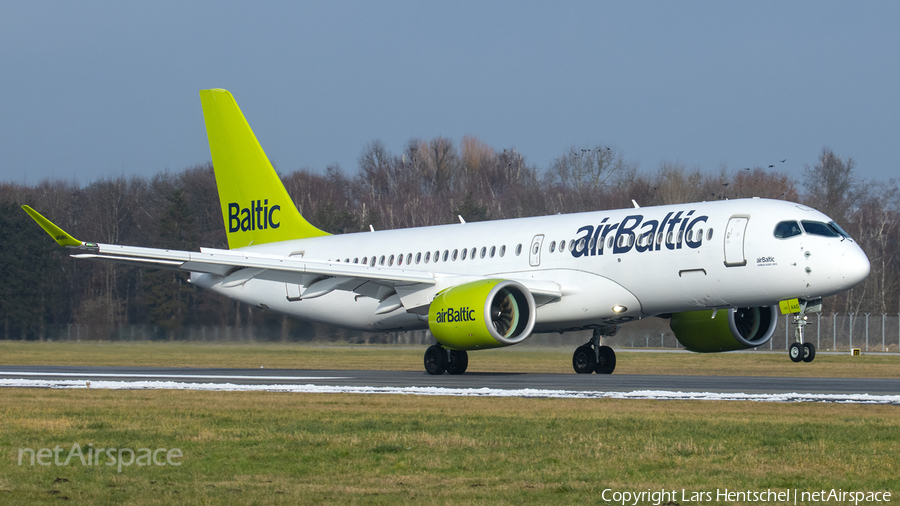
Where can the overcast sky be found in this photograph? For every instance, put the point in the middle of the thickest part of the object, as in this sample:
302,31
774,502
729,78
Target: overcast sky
97,89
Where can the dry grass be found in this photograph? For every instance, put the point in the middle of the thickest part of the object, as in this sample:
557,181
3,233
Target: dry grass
275,448
409,358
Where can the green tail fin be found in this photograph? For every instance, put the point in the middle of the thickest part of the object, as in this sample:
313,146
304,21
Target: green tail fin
255,206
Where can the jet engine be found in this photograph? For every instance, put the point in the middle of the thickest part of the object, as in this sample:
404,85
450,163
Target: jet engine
483,314
730,329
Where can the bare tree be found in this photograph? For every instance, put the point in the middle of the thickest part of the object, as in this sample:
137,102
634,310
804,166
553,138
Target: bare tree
831,185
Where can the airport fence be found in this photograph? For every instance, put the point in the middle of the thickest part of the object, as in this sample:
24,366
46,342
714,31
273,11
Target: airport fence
870,332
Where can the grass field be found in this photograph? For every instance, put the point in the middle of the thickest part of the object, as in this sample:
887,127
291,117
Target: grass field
409,358
279,448
270,448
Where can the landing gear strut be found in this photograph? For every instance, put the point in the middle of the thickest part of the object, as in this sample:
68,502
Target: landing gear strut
439,359
798,350
594,357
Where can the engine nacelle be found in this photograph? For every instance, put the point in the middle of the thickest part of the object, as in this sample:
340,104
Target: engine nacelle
483,314
731,329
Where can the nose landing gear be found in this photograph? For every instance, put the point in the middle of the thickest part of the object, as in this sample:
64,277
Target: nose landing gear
800,351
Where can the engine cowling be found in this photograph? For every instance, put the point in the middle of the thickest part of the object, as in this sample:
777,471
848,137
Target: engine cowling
483,314
731,329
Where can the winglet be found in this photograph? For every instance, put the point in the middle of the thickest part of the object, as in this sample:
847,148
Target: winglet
59,235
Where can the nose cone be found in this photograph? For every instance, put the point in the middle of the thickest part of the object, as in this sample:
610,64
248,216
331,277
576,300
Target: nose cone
854,266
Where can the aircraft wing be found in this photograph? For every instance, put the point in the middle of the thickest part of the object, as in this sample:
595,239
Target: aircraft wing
318,277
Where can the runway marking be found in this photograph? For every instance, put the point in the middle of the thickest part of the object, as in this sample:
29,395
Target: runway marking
182,376
459,392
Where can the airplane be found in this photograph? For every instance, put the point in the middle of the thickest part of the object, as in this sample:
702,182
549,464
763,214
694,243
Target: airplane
719,271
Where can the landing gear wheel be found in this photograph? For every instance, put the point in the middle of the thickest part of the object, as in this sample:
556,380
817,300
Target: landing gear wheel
796,352
809,352
607,362
435,359
459,361
583,360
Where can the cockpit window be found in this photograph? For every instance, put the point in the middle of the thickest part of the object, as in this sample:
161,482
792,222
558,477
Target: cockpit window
819,228
787,229
838,228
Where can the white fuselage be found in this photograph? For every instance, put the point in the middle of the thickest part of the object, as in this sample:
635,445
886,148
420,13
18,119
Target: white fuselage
646,261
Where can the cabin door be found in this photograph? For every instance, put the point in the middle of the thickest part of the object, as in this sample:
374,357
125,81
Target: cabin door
734,241
534,254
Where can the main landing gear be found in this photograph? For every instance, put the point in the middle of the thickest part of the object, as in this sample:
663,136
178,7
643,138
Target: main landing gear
594,357
439,359
798,350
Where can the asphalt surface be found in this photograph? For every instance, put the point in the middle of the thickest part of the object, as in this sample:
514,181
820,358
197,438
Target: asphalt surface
471,380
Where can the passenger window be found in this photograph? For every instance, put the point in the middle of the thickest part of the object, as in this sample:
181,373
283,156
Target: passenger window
502,250
787,229
493,250
418,257
709,235
553,246
446,254
562,246
356,260
580,245
373,262
381,260
472,253
408,258
427,256
400,259
391,261
609,244
518,249
455,254
819,228
365,260
483,251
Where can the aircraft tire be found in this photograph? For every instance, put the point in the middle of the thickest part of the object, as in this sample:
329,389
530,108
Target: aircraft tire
435,360
459,361
583,360
607,362
795,351
809,352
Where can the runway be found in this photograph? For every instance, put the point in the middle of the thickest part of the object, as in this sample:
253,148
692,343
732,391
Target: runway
862,390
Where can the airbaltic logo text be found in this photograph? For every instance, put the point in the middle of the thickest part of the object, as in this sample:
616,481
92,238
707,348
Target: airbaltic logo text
450,315
674,231
259,216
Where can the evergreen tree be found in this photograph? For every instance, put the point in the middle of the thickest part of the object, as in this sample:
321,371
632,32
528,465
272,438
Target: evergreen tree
166,292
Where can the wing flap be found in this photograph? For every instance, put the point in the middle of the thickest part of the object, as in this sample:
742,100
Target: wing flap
214,261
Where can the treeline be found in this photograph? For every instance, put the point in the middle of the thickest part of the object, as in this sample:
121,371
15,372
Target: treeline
429,183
